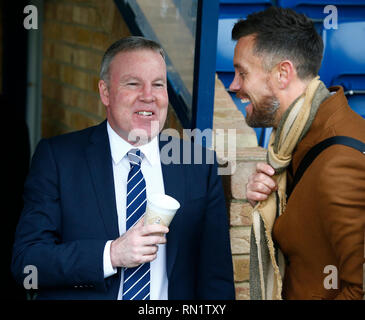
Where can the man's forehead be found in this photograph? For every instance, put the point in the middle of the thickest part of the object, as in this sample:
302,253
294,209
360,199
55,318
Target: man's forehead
125,60
245,44
244,52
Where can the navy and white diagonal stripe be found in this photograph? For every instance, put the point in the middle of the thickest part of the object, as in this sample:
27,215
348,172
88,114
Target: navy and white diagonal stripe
136,284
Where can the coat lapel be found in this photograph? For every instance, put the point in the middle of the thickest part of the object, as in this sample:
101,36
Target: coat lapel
98,157
173,177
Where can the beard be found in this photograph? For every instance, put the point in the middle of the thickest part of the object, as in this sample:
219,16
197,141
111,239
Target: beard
263,113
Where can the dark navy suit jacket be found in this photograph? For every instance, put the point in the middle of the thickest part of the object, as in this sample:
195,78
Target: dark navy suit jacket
70,213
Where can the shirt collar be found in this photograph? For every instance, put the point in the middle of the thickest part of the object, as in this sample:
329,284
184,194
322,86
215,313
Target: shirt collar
119,147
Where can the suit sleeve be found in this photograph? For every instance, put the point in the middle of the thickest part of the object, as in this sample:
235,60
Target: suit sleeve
342,209
38,240
215,276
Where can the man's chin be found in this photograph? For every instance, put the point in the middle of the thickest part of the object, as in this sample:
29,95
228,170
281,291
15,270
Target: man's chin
258,124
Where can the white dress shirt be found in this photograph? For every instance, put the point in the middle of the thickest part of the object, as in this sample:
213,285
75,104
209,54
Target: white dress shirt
152,172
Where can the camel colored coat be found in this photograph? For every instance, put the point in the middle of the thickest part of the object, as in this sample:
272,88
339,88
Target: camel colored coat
324,221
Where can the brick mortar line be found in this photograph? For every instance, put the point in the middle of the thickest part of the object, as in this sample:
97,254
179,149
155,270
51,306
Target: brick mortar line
84,26
67,85
239,201
242,255
57,124
70,43
74,46
69,64
59,104
237,227
89,4
248,158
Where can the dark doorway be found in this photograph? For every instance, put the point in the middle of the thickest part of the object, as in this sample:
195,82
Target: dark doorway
15,139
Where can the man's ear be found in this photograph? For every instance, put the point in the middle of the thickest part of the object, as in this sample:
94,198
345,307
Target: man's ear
285,72
103,92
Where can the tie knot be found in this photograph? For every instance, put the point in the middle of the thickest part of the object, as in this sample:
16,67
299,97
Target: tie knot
135,157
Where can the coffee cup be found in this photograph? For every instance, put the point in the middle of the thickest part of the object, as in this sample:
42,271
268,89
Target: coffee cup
160,209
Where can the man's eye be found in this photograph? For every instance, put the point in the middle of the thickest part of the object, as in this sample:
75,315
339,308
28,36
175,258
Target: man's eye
132,83
159,85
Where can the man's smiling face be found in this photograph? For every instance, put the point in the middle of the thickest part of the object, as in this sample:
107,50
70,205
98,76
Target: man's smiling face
253,84
136,96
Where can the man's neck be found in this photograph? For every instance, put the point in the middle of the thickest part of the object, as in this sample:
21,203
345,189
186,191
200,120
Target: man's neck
289,95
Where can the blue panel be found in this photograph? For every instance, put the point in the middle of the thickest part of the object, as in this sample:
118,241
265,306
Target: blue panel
292,3
344,55
250,2
226,78
344,61
265,137
241,10
225,45
205,61
357,103
314,8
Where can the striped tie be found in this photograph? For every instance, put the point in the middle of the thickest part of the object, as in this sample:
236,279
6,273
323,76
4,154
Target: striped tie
136,285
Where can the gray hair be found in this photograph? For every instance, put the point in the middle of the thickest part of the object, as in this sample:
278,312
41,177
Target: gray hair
123,45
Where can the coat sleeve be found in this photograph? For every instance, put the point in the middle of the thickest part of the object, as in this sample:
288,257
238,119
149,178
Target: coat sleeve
342,209
215,275
38,238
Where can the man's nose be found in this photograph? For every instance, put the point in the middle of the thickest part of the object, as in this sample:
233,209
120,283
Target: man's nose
147,93
234,86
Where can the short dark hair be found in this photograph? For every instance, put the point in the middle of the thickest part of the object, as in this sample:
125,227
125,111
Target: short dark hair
126,44
280,34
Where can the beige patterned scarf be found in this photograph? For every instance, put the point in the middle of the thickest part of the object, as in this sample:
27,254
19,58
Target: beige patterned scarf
292,128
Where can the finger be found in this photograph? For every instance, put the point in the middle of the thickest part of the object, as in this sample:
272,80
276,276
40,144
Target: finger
149,258
265,168
141,260
142,250
264,179
154,228
148,250
256,196
150,240
260,188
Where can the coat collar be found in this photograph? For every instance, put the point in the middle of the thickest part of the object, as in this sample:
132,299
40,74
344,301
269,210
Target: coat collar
330,112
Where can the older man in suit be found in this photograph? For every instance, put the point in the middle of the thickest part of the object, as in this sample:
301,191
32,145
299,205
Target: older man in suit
82,225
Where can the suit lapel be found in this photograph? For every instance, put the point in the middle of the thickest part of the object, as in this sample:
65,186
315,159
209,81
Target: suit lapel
173,177
100,164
